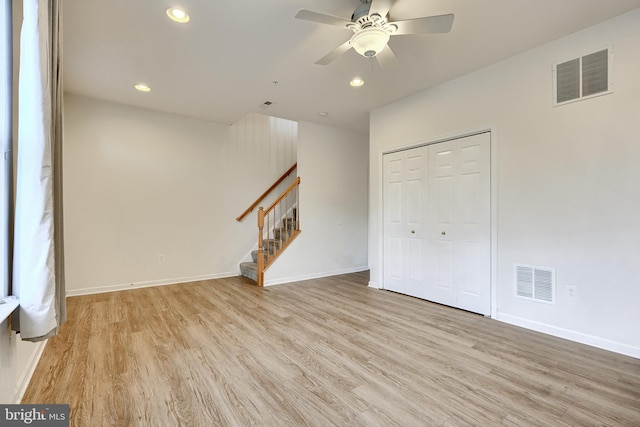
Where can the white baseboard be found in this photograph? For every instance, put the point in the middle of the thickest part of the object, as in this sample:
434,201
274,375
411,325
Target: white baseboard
591,340
283,280
137,285
374,285
27,373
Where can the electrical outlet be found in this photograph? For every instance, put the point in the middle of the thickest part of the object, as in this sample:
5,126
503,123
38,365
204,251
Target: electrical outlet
161,258
571,290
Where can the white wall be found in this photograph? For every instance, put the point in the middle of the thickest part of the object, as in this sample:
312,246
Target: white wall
18,360
333,168
567,181
140,184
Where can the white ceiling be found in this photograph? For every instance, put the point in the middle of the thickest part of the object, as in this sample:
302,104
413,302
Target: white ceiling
222,65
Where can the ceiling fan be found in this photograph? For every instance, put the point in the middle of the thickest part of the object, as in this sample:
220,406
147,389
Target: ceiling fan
372,27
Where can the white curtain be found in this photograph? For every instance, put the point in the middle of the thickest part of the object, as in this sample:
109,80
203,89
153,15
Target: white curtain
38,262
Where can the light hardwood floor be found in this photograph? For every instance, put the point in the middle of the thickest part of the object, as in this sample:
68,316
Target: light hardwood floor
324,352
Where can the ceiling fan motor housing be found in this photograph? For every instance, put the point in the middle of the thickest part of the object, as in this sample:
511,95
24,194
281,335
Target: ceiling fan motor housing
371,31
361,11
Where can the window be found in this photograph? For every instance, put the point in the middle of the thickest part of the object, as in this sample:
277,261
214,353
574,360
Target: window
583,77
6,88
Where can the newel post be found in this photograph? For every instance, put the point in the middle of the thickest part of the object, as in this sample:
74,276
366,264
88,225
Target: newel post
260,268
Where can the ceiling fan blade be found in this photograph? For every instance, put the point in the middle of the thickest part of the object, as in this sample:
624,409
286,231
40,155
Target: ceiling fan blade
430,24
386,58
334,53
381,7
322,18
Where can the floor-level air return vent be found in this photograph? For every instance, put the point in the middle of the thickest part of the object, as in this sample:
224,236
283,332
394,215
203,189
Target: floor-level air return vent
536,283
583,77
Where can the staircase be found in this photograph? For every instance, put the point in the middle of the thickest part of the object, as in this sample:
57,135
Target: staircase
282,235
278,226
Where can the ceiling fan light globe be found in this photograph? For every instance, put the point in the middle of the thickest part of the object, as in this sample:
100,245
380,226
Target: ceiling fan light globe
370,41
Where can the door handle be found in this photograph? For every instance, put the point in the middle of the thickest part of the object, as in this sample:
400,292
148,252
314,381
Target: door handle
413,231
444,233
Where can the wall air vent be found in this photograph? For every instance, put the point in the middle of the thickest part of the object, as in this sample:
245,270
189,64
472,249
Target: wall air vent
535,283
583,77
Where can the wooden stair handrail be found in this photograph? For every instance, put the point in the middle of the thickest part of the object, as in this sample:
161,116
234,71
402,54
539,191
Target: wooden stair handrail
266,193
283,195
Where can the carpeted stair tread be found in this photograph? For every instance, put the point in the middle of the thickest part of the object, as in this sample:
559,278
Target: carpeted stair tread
249,270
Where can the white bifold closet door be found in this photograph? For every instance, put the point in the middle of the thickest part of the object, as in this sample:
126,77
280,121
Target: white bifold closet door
437,222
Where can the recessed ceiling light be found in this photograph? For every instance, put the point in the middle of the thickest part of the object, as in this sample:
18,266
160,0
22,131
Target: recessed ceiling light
323,114
356,82
142,87
178,15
